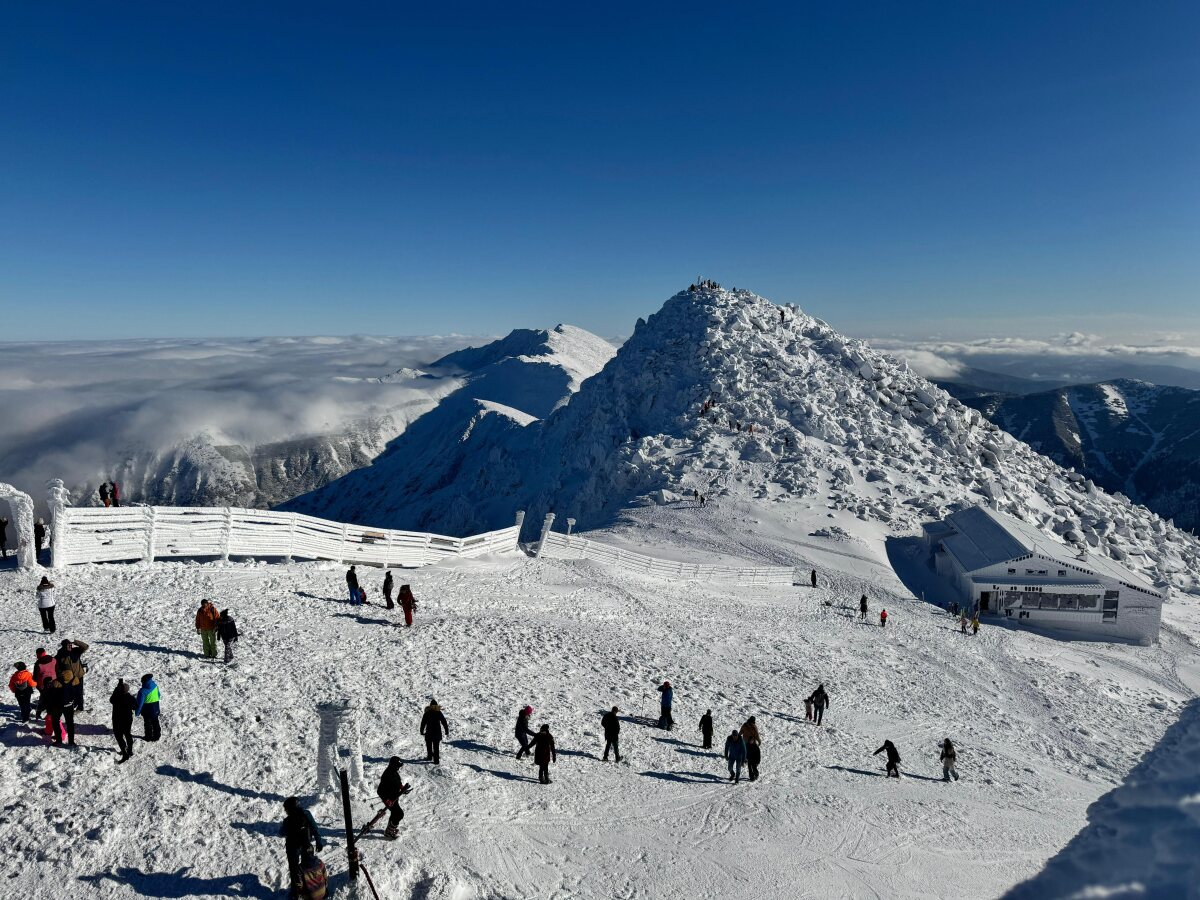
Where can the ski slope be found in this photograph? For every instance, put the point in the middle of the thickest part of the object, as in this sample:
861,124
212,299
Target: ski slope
1044,729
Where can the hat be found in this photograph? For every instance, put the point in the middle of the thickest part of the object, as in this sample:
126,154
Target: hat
528,710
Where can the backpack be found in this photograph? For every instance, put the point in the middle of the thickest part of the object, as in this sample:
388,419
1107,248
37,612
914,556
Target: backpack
313,879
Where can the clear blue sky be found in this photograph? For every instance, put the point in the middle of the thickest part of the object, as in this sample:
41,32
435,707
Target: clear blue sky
248,168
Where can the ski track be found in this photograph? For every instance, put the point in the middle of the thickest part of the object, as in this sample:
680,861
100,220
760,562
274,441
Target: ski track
1043,729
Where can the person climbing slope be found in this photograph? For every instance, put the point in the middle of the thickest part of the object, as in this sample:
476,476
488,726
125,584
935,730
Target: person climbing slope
432,725
706,729
893,758
611,723
123,704
544,753
862,609
668,695
813,578
883,618
819,700
948,758
523,732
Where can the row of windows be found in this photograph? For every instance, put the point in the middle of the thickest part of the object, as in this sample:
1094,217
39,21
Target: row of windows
1062,573
1030,599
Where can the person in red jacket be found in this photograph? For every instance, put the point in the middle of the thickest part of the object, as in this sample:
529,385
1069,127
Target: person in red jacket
408,603
883,618
21,683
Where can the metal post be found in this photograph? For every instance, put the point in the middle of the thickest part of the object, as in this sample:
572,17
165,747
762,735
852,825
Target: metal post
546,524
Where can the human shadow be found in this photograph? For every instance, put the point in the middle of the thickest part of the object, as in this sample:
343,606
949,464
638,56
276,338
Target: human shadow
362,620
339,600
154,648
24,631
790,718
856,771
475,747
645,721
206,779
703,754
499,773
921,777
181,884
685,777
583,753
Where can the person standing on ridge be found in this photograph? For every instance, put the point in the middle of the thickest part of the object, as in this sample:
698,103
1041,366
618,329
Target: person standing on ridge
664,718
115,493
432,725
387,589
544,753
21,684
147,707
408,603
893,758
883,618
299,832
123,704
352,585
948,758
750,735
735,754
46,602
228,633
523,731
813,578
819,700
862,609
706,729
206,625
105,496
611,723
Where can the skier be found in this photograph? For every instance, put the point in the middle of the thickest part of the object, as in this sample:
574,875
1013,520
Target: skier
523,732
115,493
147,707
3,538
21,683
432,724
45,602
391,788
883,618
975,624
862,609
387,590
54,702
206,625
612,733
299,832
105,496
67,661
123,704
948,758
893,758
735,753
544,753
39,536
813,578
664,718
228,633
749,732
819,700
352,585
706,729
408,603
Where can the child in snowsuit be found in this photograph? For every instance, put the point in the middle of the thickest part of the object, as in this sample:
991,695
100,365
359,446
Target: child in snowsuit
228,633
21,684
893,758
147,707
706,728
883,618
975,624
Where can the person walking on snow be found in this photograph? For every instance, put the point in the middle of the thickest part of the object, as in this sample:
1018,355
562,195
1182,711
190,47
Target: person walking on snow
352,585
408,603
735,755
706,729
123,704
893,758
432,725
975,624
147,707
228,633
962,623
862,609
299,832
387,590
46,601
813,578
664,711
883,618
206,625
819,700
749,732
391,788
55,702
611,723
948,758
21,684
544,753
523,731
69,660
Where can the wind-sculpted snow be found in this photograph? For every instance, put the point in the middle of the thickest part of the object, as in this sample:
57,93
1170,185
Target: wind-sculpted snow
824,419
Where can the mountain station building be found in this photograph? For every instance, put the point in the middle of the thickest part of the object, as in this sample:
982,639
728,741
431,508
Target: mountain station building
1003,566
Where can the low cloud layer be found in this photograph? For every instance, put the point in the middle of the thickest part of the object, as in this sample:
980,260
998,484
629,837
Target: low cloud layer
74,410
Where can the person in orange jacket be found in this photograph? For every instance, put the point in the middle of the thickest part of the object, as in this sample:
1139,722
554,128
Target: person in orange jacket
21,683
206,623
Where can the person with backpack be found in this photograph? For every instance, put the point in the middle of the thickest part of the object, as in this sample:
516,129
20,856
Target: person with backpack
706,729
299,832
387,590
228,633
883,618
45,666
408,603
46,601
123,704
314,877
147,707
948,758
893,758
433,723
352,585
206,625
391,788
611,723
665,719
862,609
749,733
523,731
69,661
735,755
544,753
21,684
819,700
105,496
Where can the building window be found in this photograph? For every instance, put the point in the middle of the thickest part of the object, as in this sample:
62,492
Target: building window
1012,571
1111,595
1062,573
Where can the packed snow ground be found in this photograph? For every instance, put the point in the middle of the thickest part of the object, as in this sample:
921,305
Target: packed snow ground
1043,729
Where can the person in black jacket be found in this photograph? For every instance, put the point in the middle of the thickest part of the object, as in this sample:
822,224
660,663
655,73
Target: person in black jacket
612,732
123,705
862,609
3,538
813,578
39,537
391,789
819,700
523,731
893,758
706,729
352,585
544,753
387,590
228,633
433,723
300,834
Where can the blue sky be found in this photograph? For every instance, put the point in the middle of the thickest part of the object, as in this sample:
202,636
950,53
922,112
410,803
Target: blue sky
964,169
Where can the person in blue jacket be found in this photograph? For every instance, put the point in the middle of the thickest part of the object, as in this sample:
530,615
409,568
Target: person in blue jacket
735,753
147,707
664,717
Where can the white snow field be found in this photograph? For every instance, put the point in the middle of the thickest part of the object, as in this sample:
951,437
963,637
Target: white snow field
1044,728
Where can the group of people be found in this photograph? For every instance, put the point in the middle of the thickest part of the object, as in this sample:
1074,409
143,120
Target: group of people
39,537
213,625
110,493
358,594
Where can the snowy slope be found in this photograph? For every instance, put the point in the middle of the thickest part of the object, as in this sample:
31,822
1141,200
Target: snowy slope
838,428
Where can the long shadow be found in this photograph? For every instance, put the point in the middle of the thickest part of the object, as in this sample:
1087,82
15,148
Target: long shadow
703,754
856,771
206,779
921,777
500,773
362,620
24,631
796,719
685,777
476,747
582,753
153,648
180,884
343,601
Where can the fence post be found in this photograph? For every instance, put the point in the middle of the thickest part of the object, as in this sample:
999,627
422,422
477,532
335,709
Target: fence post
387,555
57,499
546,523
291,537
151,516
228,535
425,550
518,524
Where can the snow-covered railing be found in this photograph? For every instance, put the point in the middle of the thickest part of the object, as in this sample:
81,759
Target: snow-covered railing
564,546
97,534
